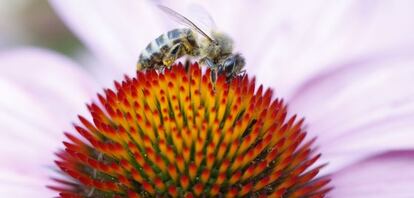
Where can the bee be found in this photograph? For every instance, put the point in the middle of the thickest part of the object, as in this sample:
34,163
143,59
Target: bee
214,50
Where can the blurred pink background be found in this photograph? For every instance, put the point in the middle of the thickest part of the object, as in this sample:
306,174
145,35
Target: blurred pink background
347,66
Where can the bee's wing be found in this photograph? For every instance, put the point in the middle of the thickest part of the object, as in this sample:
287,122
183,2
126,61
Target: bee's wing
202,17
183,20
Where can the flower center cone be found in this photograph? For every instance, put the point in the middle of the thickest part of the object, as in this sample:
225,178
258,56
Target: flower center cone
177,134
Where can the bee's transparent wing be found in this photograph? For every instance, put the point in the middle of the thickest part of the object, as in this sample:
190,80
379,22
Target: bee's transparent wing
183,20
202,17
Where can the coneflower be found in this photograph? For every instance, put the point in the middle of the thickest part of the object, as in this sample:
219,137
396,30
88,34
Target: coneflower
178,134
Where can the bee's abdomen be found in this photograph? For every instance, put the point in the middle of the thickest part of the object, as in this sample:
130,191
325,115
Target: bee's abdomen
158,49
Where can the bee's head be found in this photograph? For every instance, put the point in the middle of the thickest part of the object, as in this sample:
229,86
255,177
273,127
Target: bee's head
232,65
222,45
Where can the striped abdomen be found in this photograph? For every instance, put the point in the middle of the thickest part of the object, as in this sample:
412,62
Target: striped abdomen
165,49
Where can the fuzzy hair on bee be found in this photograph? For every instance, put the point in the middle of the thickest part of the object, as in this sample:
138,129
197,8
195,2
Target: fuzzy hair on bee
214,50
222,45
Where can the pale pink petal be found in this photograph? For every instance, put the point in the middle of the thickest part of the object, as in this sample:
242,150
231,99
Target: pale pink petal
115,31
53,81
314,37
363,108
387,175
42,92
260,28
17,185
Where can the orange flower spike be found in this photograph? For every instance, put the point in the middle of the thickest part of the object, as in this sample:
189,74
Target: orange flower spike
199,145
132,194
186,153
76,142
198,189
233,149
188,140
189,114
148,187
245,189
146,141
222,106
215,190
248,172
278,193
172,171
205,92
237,132
163,102
195,75
224,166
159,184
156,119
232,192
149,99
196,98
185,182
199,156
193,134
137,176
211,148
229,123
172,190
192,170
180,164
149,172
124,181
169,154
199,116
216,136
183,94
150,154
204,132
210,161
179,119
237,163
139,158
178,140
205,175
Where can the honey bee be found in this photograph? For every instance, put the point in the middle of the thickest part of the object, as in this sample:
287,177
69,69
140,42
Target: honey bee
215,51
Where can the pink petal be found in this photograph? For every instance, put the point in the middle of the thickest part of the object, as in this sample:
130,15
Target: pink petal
115,31
17,185
387,175
363,108
316,37
260,28
41,94
53,81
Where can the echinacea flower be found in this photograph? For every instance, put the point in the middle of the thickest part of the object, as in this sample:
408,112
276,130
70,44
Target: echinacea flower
346,66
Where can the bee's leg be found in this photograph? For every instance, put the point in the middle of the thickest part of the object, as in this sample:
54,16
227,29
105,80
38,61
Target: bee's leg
209,63
213,67
161,70
243,72
187,65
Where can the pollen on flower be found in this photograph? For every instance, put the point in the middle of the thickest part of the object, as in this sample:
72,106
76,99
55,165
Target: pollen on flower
177,134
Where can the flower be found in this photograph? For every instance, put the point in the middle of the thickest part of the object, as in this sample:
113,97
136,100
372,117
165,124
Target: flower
178,134
346,66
